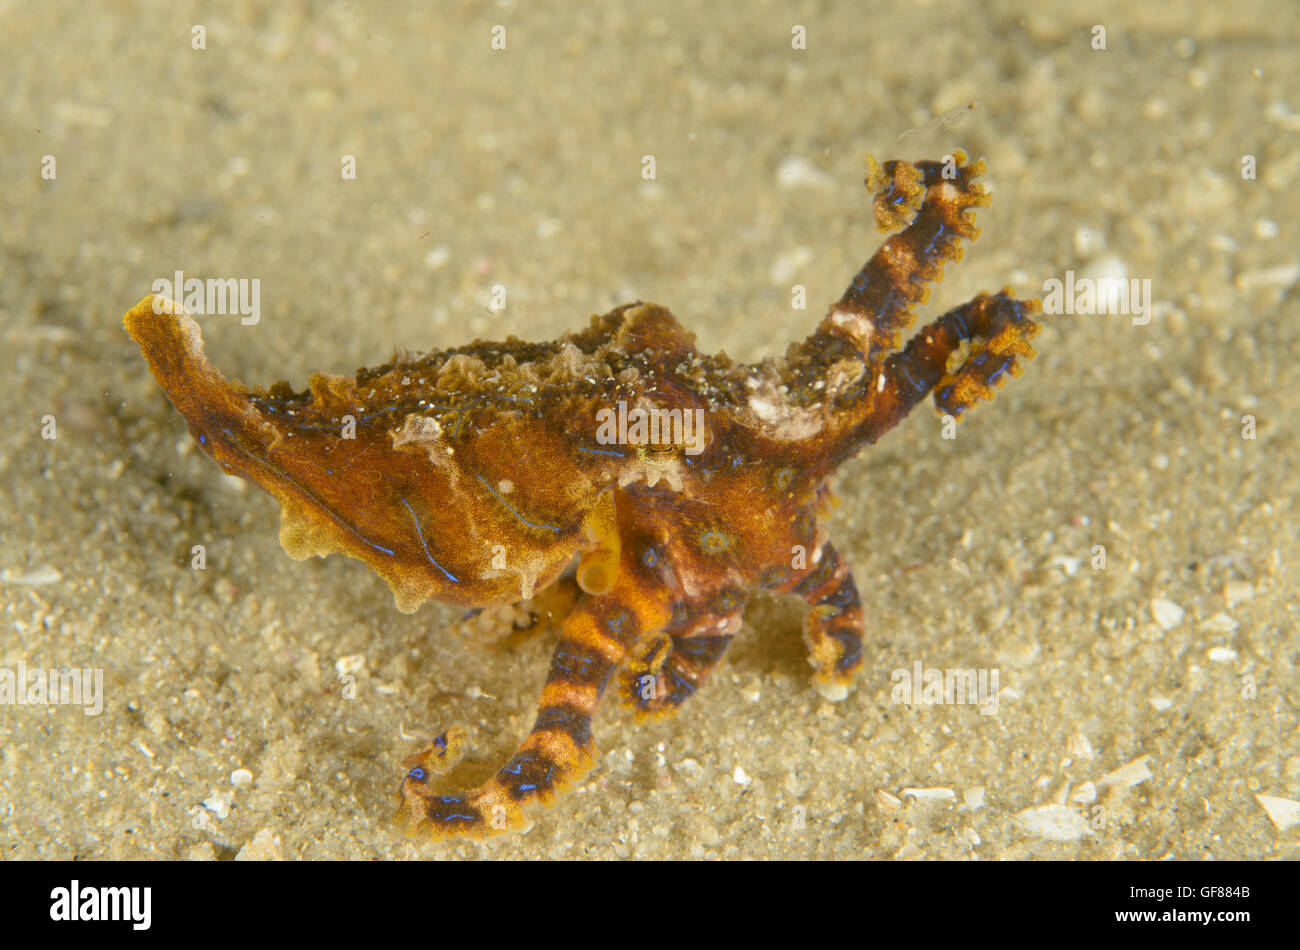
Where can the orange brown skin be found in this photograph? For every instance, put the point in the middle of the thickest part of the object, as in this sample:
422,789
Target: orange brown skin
474,476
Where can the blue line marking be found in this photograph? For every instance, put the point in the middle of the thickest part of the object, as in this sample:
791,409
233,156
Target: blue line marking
266,463
550,527
450,576
601,452
938,234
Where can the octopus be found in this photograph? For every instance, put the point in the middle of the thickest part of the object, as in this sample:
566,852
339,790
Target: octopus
618,481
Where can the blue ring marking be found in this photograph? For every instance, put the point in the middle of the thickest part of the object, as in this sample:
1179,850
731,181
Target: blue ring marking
710,545
450,576
550,527
418,774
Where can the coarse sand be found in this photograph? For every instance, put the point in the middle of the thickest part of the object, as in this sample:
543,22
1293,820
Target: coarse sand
1116,536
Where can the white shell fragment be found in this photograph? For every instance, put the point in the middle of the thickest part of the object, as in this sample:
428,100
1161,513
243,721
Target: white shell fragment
1284,812
1085,794
886,801
1126,776
1053,823
33,578
930,794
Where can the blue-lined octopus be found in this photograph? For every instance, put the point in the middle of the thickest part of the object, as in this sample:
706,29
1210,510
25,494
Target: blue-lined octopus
507,473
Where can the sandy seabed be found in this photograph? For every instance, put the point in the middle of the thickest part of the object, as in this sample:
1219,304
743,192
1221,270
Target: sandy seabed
1147,710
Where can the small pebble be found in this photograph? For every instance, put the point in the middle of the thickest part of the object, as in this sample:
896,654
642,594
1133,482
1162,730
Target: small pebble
265,846
1220,623
1238,592
796,171
1166,613
218,804
350,665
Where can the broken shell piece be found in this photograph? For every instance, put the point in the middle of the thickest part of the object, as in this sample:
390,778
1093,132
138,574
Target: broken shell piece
1053,823
1283,812
1126,776
930,794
